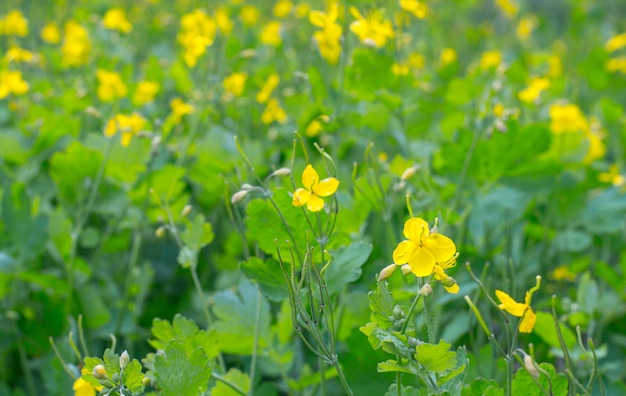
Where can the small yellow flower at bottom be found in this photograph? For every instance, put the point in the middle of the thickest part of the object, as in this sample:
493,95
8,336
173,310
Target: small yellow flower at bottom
521,310
314,188
84,388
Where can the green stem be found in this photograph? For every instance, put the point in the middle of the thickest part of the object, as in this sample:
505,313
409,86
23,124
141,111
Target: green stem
559,334
322,376
410,313
429,322
342,377
229,384
257,330
132,263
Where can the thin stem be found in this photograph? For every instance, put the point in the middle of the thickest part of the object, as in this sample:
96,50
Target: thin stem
322,376
257,330
559,334
63,363
228,383
429,322
342,377
411,309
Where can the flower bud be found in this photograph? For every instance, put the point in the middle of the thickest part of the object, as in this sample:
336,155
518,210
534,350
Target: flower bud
406,269
238,196
282,172
160,232
99,372
124,360
409,172
247,187
530,366
399,186
398,312
426,290
448,281
386,272
186,210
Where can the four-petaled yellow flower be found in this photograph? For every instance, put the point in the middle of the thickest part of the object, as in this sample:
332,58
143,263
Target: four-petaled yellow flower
521,310
423,249
128,126
314,188
373,30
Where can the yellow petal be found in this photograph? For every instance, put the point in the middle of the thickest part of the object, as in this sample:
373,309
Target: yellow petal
440,246
315,203
528,321
126,137
301,197
403,251
317,18
110,129
454,289
326,187
510,305
422,262
415,228
439,272
355,13
310,177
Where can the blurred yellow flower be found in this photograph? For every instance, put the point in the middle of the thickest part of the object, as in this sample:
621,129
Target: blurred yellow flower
11,82
180,109
416,61
270,34
249,15
400,69
115,19
51,33
145,92
110,86
555,68
508,7
612,176
302,10
314,189
282,8
490,59
615,43
84,388
76,45
594,135
567,118
18,55
448,55
423,249
197,32
273,113
617,65
525,27
265,92
223,21
235,83
128,126
316,126
373,30
415,7
498,110
562,273
521,310
328,38
14,24
534,89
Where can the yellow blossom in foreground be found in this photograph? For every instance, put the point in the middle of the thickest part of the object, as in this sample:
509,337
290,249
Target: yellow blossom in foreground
51,33
115,19
235,83
145,92
11,82
448,55
273,112
415,7
265,92
270,34
612,176
17,54
84,388
490,59
76,45
373,30
508,7
14,24
567,118
521,310
180,109
615,43
110,86
128,126
422,250
534,89
282,8
249,15
328,38
314,189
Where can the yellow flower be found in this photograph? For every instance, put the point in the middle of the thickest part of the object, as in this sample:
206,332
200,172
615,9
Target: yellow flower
567,118
534,89
76,46
270,34
314,188
249,15
562,273
555,66
490,59
282,8
615,43
145,92
197,32
400,69
448,55
115,19
423,249
448,282
316,126
302,10
508,7
525,27
14,24
273,112
374,30
17,54
224,24
50,33
417,8
617,64
597,149
329,36
11,82
128,126
179,109
84,388
417,61
521,310
110,86
498,110
235,83
612,176
265,92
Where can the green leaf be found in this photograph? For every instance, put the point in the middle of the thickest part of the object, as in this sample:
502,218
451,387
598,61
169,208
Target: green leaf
133,377
393,366
180,374
437,358
346,263
483,387
185,331
406,391
74,169
524,385
198,234
544,328
93,307
392,342
268,275
235,377
382,305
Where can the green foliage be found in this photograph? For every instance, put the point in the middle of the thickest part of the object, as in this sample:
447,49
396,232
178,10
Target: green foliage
181,373
555,383
235,377
185,332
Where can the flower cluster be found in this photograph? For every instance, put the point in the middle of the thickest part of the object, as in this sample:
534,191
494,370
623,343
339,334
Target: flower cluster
197,32
328,38
374,30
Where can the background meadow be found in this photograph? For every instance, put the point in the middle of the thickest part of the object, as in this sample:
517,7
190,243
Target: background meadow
150,152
